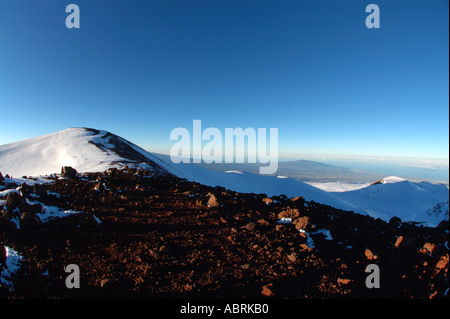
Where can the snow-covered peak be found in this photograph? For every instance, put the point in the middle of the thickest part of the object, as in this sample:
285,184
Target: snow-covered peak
85,149
392,179
395,196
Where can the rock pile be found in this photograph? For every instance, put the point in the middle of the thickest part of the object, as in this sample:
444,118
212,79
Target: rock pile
164,237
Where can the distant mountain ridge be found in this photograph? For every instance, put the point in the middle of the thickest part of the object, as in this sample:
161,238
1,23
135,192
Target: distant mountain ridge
304,170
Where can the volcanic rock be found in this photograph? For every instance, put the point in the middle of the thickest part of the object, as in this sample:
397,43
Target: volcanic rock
12,201
442,263
249,226
212,200
292,257
289,213
398,242
428,248
302,222
370,255
40,189
263,222
266,291
343,281
68,172
298,198
29,219
25,190
157,241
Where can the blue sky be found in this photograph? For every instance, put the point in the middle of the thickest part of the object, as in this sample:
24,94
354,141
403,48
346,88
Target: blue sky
309,68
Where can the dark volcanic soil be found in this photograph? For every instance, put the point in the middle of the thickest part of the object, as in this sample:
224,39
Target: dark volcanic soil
159,238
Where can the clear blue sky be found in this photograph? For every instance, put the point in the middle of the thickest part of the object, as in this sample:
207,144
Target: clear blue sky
310,68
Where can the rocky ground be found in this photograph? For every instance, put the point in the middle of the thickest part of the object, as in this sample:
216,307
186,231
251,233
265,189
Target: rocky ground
162,237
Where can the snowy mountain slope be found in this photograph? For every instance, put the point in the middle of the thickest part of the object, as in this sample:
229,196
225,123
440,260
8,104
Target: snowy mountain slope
252,183
395,196
86,150
90,150
392,196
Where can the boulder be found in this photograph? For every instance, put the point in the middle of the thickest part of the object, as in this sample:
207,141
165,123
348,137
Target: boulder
343,281
2,180
40,189
68,172
29,219
398,242
267,291
442,263
292,257
300,201
212,200
370,255
25,190
301,223
289,213
12,201
428,248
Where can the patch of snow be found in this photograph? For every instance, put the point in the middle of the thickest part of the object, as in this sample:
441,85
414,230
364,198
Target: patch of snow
285,220
97,220
393,179
12,266
324,232
309,240
5,193
338,186
51,212
233,172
